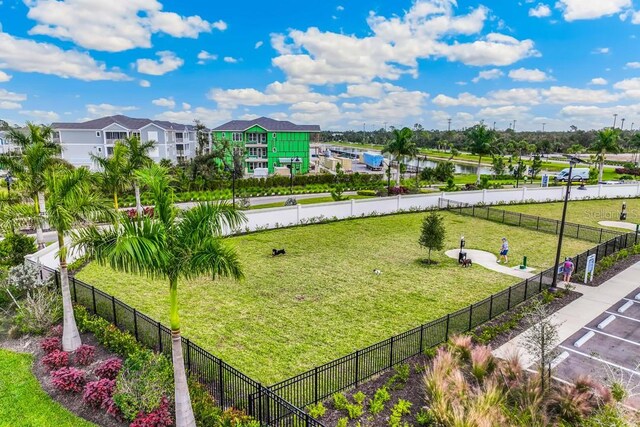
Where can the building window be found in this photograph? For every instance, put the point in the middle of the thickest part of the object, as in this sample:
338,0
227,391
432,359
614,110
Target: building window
97,133
274,149
115,135
252,137
109,151
135,134
274,135
237,136
99,149
263,138
224,135
179,135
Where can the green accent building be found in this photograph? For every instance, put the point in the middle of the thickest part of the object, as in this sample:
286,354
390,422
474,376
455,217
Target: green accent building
270,143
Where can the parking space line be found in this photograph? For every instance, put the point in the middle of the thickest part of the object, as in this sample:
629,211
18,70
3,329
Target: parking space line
613,336
615,365
623,317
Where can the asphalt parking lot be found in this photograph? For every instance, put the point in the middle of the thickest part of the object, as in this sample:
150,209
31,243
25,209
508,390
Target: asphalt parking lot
607,348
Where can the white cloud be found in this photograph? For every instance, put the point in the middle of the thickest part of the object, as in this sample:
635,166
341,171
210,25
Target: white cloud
164,102
340,8
509,111
276,93
601,51
573,10
144,83
528,75
572,95
633,64
112,26
540,11
375,90
101,110
168,62
230,59
186,106
598,81
32,57
5,95
4,77
205,56
259,44
428,30
9,105
41,116
207,116
630,87
488,75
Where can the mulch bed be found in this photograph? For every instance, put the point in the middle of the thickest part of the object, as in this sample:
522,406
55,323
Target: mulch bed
617,268
412,391
71,401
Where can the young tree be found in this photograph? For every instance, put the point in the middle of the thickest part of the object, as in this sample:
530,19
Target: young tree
137,158
72,202
498,165
38,155
433,233
114,175
536,166
482,144
202,137
541,339
402,147
607,142
172,245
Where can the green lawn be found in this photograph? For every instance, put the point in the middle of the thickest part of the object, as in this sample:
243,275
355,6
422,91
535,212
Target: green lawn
588,212
322,300
23,402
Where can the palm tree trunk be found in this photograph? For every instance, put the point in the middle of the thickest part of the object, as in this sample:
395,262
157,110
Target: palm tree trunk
601,168
42,209
39,233
136,189
184,411
478,171
115,200
70,335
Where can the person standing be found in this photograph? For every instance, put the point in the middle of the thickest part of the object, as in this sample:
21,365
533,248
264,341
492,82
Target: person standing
567,270
504,251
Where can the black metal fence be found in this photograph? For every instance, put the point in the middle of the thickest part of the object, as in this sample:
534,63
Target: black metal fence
228,386
545,225
348,371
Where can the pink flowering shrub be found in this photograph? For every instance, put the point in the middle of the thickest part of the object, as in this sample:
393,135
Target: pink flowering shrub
51,344
109,368
98,393
68,379
56,360
85,354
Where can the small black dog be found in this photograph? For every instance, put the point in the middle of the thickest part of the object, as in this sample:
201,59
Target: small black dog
276,252
467,262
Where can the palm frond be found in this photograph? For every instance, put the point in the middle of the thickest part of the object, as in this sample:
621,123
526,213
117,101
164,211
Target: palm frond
156,178
209,219
212,256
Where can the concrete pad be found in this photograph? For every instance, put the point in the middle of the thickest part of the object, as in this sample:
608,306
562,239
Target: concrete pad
619,224
489,261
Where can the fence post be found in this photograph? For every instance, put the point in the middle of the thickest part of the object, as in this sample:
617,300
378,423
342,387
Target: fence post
135,323
113,306
391,353
491,307
538,224
540,286
221,386
446,335
188,355
509,299
503,213
75,292
520,220
159,337
601,230
315,384
557,223
421,337
56,279
93,296
470,315
357,362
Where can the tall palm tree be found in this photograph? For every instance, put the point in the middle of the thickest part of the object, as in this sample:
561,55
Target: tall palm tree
607,142
482,144
402,147
114,174
71,203
38,154
172,245
137,159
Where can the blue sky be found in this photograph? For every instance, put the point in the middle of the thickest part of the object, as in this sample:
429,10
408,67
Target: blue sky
341,64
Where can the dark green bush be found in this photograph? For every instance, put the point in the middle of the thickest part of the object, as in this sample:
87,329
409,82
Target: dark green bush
14,247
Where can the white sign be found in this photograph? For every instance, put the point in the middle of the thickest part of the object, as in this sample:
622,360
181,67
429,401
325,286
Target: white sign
545,181
590,267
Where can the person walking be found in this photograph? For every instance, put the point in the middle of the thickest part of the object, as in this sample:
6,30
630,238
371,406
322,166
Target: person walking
567,270
504,251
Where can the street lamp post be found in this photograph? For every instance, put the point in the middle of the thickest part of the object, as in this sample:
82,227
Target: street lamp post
9,180
572,162
293,161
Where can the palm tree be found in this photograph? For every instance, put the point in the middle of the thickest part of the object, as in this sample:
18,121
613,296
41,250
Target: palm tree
607,142
114,171
482,144
71,203
137,159
402,147
172,245
38,155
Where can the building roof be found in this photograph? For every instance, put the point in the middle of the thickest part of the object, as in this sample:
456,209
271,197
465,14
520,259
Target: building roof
267,124
124,121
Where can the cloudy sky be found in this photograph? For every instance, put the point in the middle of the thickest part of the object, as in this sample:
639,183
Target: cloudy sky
343,64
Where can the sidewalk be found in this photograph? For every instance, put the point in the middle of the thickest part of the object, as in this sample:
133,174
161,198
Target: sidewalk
579,313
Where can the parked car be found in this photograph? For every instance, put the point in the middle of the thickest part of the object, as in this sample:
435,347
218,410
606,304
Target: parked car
577,174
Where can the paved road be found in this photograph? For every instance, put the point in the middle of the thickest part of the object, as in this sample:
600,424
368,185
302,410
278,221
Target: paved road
264,200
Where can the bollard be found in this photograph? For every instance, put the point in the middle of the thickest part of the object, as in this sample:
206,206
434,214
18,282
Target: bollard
523,266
